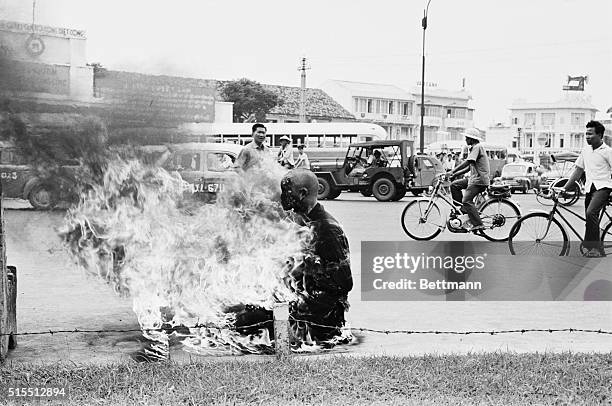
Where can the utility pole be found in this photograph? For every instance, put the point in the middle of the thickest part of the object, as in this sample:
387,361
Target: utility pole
422,133
303,67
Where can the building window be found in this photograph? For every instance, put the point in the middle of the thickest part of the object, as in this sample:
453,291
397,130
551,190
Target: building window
391,103
362,105
548,118
515,121
449,113
577,118
406,109
369,105
356,107
530,119
470,114
561,140
378,102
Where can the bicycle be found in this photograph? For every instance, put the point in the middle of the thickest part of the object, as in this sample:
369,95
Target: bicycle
541,233
543,195
422,219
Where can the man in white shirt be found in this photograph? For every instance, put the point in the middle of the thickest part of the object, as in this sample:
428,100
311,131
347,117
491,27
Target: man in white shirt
302,161
595,162
285,153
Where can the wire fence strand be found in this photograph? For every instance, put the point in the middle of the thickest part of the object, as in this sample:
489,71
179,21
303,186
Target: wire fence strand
171,329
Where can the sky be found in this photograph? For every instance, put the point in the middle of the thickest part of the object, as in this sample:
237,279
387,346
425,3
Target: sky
505,49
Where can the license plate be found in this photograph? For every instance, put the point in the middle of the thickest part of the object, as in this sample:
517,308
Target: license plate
206,187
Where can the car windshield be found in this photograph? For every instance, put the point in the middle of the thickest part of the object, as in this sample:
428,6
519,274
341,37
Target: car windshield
514,170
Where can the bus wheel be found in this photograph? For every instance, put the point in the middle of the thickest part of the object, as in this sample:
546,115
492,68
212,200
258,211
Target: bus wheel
324,189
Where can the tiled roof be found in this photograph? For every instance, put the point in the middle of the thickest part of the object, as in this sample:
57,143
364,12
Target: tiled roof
318,103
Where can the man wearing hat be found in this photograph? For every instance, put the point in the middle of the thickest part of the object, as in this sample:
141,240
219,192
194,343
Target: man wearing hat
477,163
285,154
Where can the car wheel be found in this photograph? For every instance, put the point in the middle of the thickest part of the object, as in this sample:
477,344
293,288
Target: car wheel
324,189
384,189
42,197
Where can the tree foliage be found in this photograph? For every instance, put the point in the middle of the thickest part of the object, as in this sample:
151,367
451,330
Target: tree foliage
251,100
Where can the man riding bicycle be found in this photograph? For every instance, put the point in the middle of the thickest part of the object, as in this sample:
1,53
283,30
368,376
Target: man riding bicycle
477,163
595,162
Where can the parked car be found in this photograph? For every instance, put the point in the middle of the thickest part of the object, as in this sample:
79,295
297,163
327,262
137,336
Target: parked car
42,187
204,167
521,176
385,169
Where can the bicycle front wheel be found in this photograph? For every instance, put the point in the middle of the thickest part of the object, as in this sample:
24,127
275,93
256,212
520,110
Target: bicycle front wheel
422,224
536,234
498,217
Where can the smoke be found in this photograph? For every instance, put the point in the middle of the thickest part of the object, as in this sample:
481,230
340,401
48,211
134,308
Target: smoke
186,264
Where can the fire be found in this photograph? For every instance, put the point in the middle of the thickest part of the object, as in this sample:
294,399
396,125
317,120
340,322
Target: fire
185,264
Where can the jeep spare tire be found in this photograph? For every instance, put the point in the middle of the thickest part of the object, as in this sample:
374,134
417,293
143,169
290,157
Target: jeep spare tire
42,197
384,189
324,189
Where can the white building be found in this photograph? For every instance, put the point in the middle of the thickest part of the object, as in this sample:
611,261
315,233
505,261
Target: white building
559,125
447,113
385,105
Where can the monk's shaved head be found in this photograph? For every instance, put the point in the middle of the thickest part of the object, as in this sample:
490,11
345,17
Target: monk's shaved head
299,190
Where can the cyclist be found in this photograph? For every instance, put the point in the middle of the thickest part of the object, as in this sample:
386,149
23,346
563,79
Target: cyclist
477,163
595,161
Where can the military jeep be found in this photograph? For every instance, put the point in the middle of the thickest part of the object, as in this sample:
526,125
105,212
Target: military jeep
384,169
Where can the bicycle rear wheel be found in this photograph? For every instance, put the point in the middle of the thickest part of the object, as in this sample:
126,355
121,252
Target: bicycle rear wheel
498,217
532,235
417,225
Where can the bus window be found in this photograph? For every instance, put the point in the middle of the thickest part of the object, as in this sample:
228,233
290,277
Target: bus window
298,140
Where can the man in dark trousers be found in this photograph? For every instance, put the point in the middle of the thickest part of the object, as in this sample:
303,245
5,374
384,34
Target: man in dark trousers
325,279
253,152
595,162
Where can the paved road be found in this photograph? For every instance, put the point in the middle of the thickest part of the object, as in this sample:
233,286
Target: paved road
54,294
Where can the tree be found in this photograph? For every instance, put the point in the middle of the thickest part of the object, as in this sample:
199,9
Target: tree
251,100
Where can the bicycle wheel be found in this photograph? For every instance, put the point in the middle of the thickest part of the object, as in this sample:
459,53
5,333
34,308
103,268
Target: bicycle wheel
531,235
419,227
498,216
543,197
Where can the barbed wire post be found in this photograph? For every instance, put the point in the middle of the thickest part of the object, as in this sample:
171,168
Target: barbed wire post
282,345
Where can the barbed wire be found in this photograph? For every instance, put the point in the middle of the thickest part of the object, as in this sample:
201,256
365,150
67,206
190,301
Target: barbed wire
171,329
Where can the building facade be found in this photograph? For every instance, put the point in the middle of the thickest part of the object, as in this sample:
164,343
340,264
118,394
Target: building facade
447,113
386,105
551,127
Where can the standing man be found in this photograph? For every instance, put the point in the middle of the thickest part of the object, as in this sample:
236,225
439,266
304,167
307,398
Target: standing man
477,163
285,154
325,278
254,151
302,161
595,162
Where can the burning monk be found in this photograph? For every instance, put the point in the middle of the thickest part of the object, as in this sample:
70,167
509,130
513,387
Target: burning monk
323,281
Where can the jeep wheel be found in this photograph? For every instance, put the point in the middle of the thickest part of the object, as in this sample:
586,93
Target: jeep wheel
324,189
334,193
42,197
384,189
400,193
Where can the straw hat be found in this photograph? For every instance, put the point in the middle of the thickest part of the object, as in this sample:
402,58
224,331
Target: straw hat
473,133
284,137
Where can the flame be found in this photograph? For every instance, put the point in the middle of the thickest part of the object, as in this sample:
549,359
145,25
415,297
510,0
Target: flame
184,264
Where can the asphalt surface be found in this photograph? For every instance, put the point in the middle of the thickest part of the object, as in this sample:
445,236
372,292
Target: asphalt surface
53,294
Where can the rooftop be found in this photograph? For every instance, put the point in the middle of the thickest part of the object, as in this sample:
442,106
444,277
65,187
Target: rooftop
566,102
318,103
443,93
375,90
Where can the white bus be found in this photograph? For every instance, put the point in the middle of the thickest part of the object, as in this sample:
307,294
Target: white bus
311,135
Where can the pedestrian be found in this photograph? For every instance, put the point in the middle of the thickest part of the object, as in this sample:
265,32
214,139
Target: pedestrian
326,272
302,161
253,153
477,163
595,161
450,162
285,153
